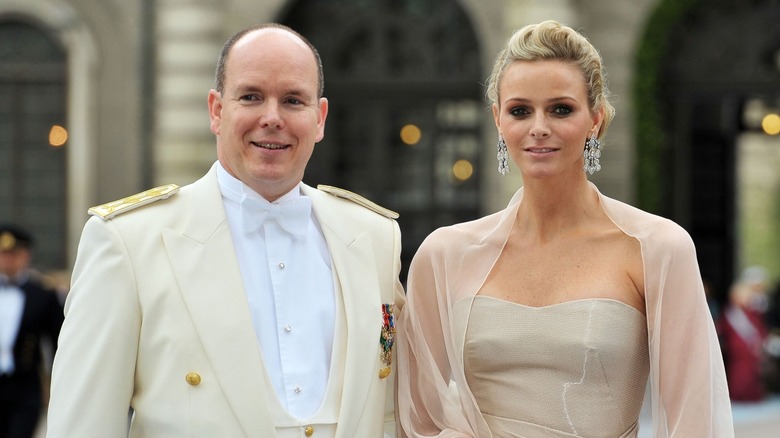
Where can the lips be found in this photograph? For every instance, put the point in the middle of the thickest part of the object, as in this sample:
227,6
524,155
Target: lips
270,146
540,150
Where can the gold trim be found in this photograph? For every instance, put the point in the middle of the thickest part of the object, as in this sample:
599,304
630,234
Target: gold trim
354,197
111,209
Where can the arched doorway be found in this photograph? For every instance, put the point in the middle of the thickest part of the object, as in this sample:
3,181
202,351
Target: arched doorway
712,60
32,157
404,86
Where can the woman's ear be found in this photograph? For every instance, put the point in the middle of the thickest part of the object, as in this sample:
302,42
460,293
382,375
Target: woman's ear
598,120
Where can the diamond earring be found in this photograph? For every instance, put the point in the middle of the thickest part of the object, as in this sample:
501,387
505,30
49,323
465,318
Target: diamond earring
592,154
503,164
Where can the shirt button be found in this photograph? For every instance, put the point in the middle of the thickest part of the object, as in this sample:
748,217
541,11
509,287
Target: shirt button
309,431
287,328
281,265
297,389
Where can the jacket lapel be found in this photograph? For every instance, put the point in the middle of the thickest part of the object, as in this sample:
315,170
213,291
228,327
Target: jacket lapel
205,265
352,254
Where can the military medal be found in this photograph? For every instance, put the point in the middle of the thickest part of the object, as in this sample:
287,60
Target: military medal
386,339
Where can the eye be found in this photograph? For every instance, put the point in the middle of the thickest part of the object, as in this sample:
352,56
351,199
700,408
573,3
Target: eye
249,98
294,101
562,110
519,111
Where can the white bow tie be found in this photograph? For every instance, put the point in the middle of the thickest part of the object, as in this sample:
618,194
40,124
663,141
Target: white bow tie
292,214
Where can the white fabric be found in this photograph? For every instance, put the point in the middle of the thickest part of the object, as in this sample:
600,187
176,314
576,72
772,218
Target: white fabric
741,324
687,378
289,285
11,308
292,213
324,421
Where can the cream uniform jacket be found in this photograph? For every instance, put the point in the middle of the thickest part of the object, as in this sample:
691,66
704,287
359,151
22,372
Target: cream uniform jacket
157,321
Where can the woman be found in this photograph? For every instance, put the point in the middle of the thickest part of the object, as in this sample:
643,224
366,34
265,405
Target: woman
546,318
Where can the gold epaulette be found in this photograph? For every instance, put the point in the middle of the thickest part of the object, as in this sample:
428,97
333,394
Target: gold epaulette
113,208
357,199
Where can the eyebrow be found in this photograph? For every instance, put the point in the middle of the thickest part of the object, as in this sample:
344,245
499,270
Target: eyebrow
250,88
548,101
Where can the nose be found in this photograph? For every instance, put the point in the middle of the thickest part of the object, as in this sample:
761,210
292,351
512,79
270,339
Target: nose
270,115
540,129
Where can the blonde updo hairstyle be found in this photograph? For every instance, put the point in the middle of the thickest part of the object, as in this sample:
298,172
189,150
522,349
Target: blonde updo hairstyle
550,40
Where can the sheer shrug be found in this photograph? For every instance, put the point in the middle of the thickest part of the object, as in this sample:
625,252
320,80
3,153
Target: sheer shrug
687,379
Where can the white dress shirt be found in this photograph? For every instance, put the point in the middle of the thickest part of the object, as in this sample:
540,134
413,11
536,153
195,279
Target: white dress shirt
11,308
289,286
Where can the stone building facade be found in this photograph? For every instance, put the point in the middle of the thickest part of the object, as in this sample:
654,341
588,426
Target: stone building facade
136,73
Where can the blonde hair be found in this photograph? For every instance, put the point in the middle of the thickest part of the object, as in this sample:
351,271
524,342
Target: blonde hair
550,40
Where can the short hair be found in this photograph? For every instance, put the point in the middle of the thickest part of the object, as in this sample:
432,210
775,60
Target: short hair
550,40
225,53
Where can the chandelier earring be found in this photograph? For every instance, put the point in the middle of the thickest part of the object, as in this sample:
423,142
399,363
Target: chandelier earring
592,154
503,164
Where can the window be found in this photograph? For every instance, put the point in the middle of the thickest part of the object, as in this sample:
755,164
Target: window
33,138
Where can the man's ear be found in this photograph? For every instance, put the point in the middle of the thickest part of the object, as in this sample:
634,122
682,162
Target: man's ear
323,110
215,111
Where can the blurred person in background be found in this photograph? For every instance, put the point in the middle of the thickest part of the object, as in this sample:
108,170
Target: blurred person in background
30,315
742,332
756,278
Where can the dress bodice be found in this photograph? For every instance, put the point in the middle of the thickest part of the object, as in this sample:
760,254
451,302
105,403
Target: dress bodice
574,369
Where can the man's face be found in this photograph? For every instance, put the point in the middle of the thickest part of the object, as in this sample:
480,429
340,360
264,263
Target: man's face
268,117
14,261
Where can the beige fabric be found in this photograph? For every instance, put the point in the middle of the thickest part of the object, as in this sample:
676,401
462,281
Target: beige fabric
687,379
537,370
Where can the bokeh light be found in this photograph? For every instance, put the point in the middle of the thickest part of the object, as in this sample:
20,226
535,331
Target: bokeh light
462,169
411,134
58,135
771,124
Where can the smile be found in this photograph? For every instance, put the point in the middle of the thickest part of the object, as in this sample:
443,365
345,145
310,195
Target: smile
270,145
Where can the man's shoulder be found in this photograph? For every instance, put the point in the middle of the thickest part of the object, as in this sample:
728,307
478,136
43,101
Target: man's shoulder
112,209
358,200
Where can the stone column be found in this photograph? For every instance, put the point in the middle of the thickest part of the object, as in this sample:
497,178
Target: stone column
614,28
189,36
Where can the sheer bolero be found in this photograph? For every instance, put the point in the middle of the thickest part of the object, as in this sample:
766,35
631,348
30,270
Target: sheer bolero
687,379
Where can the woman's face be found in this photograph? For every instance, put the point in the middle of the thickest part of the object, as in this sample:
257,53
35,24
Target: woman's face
543,114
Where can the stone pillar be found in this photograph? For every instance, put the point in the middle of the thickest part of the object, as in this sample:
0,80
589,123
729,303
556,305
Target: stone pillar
521,13
189,36
614,28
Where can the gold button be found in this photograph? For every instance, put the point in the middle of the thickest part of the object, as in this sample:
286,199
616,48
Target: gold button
384,372
193,379
309,431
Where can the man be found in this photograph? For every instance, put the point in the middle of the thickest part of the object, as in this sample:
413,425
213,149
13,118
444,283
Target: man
247,303
29,314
